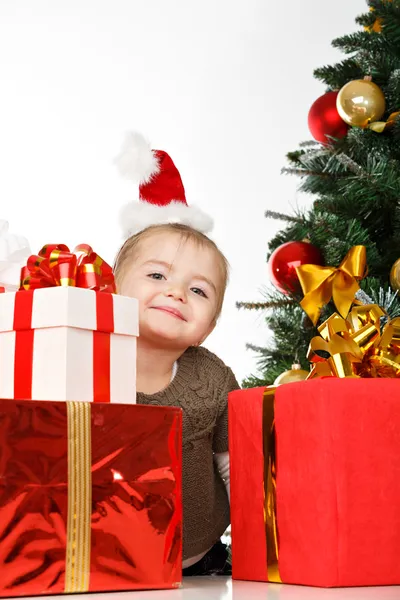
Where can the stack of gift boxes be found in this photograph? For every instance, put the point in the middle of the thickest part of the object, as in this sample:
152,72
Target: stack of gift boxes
315,465
90,483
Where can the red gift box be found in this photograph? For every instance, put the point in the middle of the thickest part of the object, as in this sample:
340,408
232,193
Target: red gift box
337,483
90,497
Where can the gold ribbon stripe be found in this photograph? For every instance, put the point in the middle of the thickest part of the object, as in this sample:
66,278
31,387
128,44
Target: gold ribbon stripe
77,559
271,529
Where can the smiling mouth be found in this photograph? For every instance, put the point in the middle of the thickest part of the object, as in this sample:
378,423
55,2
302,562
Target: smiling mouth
171,311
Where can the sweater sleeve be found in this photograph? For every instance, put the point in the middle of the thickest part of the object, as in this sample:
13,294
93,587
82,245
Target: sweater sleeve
222,462
220,442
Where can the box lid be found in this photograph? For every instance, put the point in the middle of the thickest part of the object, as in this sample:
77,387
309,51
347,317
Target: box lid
69,307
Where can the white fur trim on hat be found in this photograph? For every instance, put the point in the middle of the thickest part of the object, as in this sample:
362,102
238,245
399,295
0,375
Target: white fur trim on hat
136,216
137,161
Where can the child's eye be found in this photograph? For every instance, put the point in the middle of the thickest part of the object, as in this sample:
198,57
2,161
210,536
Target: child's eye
156,276
200,292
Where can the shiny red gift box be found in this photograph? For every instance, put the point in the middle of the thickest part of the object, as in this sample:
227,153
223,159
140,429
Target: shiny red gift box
337,444
90,497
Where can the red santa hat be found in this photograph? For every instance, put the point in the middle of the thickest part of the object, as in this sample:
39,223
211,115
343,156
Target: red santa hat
161,193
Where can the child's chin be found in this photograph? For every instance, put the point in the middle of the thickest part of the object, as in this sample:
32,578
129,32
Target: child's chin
167,335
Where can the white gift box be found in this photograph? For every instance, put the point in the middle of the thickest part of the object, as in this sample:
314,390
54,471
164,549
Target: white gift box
68,343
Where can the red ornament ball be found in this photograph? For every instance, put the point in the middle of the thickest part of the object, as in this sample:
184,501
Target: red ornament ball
324,119
284,260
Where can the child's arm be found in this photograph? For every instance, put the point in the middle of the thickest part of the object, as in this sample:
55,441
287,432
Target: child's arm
220,440
220,444
222,462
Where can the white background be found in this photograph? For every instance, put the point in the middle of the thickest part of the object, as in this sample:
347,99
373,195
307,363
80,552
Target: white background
223,85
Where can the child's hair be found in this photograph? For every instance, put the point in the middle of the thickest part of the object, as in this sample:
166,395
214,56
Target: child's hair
130,247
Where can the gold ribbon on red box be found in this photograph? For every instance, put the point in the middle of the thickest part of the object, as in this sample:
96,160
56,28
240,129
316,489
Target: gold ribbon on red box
77,555
356,346
271,528
351,344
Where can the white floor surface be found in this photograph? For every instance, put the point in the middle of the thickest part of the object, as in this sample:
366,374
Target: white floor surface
221,588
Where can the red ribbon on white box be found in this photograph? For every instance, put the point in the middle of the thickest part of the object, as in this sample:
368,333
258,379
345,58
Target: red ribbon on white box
93,332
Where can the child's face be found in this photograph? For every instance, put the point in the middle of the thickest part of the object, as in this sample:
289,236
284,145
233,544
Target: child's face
177,284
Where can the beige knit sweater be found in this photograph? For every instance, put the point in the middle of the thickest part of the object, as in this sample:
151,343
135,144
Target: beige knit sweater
200,388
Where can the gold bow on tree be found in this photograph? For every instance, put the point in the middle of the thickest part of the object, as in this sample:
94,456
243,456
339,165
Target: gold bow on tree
321,284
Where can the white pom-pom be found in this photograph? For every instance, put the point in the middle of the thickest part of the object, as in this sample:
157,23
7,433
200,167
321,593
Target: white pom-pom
136,216
137,161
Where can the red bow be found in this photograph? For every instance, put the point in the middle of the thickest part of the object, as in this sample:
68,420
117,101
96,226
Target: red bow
56,265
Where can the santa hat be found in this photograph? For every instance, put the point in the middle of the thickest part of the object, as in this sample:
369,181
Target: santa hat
161,193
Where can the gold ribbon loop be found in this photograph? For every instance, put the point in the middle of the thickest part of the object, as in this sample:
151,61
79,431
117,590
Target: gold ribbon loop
356,346
321,284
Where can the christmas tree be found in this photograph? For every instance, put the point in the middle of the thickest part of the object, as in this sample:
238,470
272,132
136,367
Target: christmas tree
352,169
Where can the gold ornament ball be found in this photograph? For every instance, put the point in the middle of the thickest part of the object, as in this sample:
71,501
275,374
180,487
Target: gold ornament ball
395,276
294,374
360,102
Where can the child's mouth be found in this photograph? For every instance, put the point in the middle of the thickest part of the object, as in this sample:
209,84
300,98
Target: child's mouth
174,312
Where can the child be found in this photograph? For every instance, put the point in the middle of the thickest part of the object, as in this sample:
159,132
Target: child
179,277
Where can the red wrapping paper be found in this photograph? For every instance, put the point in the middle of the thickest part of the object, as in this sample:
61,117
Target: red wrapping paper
338,484
136,509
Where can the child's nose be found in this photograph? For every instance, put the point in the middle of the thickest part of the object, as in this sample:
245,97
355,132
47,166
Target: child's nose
177,292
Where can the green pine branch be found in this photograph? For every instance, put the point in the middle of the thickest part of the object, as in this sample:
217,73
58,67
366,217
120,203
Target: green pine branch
265,305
